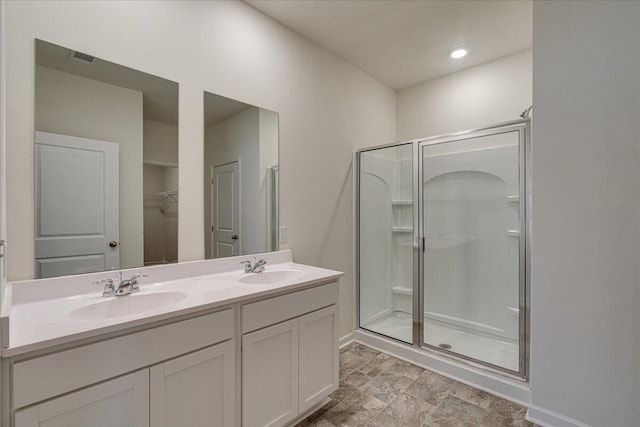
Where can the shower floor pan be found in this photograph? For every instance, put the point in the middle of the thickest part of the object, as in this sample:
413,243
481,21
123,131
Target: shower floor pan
398,325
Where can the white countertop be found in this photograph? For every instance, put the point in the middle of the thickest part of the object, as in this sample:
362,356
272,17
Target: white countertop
41,316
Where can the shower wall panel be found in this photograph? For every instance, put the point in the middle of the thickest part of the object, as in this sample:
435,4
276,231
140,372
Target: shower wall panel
376,175
385,244
471,236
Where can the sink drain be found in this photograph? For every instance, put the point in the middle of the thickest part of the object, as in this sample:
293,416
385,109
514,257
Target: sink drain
445,346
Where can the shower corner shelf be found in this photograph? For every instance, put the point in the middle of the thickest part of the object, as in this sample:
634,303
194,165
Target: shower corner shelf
513,233
402,290
402,229
402,202
513,199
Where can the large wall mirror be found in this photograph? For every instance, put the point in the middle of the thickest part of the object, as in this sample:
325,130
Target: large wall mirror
106,165
241,178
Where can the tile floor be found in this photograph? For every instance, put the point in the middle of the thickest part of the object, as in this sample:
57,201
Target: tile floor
380,390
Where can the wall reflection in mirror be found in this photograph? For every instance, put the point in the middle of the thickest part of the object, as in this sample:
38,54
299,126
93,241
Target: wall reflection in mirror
106,165
241,178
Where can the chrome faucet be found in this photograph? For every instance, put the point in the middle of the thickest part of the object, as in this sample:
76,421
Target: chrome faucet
257,266
123,287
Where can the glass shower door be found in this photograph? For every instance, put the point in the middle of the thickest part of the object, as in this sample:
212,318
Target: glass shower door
471,223
385,241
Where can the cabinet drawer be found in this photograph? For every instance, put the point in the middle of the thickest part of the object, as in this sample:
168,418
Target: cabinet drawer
122,402
51,375
274,310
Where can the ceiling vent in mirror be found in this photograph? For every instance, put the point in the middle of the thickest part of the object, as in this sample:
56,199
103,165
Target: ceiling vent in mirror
82,57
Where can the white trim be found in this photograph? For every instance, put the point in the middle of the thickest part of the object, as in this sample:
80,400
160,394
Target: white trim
345,340
546,418
511,389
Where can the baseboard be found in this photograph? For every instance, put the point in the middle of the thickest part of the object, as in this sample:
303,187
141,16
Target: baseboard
545,418
507,388
346,340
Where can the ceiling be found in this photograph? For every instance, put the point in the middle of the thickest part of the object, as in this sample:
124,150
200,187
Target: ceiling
159,96
402,43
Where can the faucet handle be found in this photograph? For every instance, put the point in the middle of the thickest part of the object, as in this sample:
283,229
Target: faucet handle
108,280
109,287
248,266
137,276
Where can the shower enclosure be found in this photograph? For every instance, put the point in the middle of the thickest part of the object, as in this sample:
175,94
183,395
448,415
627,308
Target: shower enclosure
442,244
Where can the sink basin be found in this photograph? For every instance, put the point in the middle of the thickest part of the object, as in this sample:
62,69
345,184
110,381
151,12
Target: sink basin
270,277
127,305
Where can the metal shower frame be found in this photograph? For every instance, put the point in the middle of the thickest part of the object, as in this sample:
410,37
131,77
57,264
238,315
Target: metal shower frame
523,128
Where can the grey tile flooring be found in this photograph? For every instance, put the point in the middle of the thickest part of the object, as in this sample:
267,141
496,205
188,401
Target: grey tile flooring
379,390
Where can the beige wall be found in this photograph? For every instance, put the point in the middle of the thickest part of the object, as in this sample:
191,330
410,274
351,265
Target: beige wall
238,139
160,228
251,137
160,142
67,104
268,159
489,93
326,108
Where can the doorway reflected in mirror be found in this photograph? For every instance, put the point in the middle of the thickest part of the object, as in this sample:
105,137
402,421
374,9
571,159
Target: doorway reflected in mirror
241,178
106,178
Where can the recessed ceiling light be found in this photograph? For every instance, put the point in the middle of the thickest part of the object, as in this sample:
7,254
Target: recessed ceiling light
458,53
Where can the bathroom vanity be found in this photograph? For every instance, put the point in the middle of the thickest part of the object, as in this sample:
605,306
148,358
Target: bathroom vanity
202,343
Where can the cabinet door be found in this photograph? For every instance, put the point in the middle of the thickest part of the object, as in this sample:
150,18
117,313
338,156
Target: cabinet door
270,375
318,356
121,402
195,390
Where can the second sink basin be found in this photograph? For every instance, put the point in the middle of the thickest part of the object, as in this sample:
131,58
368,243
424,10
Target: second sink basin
126,305
269,277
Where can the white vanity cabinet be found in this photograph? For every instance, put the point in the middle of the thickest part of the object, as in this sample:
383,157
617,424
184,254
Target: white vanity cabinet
197,389
121,402
317,356
262,361
291,366
270,375
173,375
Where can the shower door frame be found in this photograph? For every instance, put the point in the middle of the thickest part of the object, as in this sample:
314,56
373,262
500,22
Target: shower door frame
523,128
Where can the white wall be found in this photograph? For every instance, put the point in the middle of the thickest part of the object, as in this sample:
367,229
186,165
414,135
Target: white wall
67,104
585,332
326,107
493,92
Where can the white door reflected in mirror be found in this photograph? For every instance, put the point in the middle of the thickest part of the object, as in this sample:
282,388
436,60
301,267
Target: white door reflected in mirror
225,193
76,205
